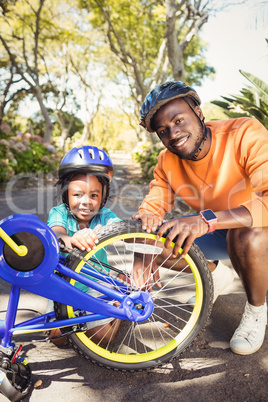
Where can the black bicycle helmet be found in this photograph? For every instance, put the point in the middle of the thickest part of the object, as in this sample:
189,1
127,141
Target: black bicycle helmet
161,95
86,160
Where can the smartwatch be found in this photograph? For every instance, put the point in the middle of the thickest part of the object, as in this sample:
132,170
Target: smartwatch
210,218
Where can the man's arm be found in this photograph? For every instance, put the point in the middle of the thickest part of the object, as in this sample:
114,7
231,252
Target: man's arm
189,228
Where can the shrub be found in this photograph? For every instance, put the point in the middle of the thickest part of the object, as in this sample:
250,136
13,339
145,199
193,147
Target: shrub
252,102
147,154
18,155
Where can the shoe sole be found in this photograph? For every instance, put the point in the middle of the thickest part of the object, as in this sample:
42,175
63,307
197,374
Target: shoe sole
245,353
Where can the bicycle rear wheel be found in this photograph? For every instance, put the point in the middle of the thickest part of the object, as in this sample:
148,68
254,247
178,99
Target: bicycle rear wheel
173,325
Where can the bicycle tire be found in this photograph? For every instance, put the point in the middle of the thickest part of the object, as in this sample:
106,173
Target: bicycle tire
173,325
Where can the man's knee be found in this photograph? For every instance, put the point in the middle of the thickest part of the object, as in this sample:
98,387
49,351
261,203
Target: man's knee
247,238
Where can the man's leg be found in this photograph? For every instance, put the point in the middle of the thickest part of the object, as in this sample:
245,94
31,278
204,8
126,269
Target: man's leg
248,251
249,255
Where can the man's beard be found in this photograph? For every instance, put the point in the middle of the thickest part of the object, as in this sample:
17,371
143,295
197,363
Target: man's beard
191,155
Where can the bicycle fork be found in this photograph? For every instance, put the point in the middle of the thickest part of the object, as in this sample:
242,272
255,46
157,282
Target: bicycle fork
5,334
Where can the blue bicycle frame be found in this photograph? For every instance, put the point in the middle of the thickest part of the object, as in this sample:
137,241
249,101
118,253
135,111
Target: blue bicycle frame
40,275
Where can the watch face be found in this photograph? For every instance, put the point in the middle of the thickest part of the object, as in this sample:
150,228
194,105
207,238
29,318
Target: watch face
209,215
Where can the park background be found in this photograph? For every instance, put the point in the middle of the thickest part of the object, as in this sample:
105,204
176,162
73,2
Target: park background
76,72
63,84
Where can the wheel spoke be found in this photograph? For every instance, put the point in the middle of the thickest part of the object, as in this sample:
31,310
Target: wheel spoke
145,344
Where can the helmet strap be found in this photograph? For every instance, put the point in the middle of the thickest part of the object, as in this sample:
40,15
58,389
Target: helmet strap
204,129
205,136
70,212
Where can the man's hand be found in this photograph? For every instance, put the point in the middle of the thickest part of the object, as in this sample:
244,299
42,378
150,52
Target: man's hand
150,222
187,229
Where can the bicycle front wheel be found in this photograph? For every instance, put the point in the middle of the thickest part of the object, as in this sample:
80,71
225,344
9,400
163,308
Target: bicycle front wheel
174,323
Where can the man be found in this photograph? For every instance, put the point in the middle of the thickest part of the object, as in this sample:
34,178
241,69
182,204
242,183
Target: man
221,170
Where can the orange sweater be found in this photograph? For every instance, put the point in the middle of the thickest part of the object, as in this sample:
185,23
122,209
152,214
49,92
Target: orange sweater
233,173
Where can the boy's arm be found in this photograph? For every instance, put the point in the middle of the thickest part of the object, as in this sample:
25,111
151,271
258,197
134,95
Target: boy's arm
85,239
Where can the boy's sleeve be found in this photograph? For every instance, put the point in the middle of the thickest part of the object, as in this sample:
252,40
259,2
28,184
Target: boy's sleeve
161,197
111,218
57,217
107,217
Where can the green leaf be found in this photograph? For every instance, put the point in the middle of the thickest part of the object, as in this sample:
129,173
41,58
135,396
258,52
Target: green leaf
261,85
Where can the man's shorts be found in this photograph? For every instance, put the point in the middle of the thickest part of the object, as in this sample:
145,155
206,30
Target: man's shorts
214,245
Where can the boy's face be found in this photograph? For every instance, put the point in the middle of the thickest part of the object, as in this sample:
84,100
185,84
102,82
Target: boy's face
85,196
179,128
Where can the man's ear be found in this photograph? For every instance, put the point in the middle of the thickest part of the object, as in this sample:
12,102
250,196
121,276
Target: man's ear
199,112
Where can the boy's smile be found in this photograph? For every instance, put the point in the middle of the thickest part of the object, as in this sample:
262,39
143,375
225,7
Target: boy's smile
85,196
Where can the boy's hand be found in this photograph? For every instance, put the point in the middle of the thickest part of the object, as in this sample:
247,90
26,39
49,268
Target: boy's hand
85,239
150,222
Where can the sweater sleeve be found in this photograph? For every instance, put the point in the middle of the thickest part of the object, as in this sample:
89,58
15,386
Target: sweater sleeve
161,197
254,159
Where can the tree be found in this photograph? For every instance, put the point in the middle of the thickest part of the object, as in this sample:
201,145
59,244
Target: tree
21,38
259,12
7,82
33,35
50,45
91,88
152,41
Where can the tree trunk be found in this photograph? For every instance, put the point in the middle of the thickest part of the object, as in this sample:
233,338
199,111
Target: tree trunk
48,123
175,52
65,128
86,133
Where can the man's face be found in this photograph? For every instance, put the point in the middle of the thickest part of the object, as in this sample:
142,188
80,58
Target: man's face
179,128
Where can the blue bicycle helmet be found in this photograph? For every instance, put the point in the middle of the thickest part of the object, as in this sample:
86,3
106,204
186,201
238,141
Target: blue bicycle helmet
161,95
85,160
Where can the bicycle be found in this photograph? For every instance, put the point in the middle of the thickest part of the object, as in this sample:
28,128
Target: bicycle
155,326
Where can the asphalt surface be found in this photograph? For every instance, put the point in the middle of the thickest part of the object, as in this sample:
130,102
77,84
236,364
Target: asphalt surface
208,371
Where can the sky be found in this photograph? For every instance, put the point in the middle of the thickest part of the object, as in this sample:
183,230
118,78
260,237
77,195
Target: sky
234,43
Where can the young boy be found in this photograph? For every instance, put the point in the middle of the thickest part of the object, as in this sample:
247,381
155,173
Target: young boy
84,182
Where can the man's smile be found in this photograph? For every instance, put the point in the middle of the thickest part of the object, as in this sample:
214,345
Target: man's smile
180,143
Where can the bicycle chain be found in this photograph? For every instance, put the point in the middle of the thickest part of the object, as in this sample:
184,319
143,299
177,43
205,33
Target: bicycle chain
76,253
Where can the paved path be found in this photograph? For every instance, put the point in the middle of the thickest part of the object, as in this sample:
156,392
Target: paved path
209,371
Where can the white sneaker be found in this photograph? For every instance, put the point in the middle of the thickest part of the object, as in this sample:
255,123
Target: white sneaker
249,336
222,277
